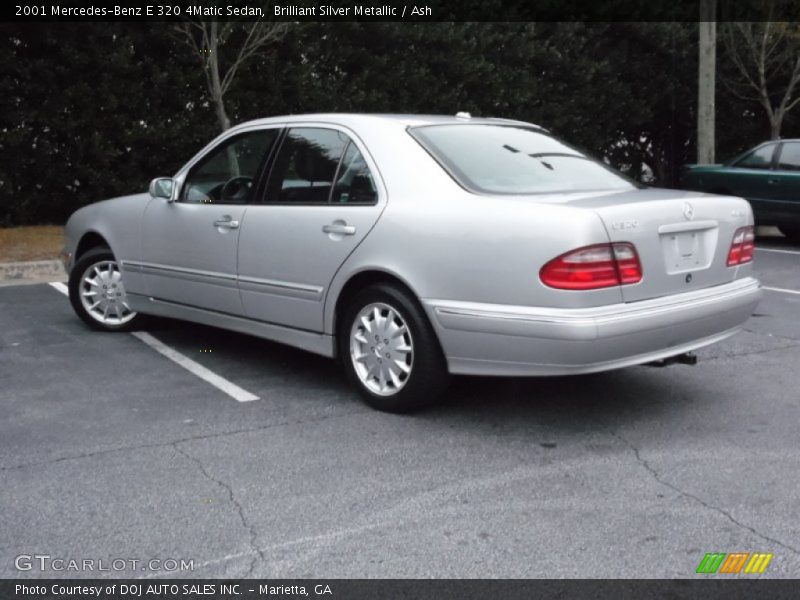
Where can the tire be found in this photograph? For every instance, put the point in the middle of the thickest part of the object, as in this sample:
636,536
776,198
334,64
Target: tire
99,266
792,233
375,365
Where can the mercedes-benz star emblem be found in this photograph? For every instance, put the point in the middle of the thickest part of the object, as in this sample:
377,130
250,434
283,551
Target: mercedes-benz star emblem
688,211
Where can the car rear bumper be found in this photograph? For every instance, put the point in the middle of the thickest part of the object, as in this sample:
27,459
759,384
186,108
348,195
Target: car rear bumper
494,339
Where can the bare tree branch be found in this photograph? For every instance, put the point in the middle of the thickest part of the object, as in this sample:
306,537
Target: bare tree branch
732,88
210,40
260,34
766,56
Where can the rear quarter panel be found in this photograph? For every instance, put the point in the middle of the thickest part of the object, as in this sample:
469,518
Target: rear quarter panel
448,244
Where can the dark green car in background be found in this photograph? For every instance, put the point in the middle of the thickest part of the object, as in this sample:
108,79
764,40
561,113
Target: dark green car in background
767,175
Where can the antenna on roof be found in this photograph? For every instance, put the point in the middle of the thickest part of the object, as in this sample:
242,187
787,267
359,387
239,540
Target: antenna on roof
463,115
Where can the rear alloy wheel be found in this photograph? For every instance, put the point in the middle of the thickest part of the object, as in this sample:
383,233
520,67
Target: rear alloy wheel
390,351
97,292
381,349
792,233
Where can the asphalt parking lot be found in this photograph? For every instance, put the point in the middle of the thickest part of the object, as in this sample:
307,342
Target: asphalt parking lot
109,450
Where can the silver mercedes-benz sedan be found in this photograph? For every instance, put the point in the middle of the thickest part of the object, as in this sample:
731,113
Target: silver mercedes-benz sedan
414,247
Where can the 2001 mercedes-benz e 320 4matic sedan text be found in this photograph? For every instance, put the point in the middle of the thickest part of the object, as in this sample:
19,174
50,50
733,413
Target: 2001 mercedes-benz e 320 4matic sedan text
413,247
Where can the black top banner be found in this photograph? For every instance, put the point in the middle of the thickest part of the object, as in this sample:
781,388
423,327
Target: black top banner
391,10
390,589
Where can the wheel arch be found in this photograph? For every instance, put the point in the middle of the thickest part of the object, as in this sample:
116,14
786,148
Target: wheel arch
366,277
89,240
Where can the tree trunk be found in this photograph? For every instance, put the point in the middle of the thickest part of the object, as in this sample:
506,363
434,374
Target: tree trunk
217,95
706,81
222,116
218,98
775,124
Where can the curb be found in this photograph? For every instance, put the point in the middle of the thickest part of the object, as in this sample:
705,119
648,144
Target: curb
31,271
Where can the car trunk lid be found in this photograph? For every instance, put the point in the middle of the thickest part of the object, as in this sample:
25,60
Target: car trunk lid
682,238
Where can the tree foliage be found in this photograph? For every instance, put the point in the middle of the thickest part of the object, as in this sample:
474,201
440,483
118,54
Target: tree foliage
90,111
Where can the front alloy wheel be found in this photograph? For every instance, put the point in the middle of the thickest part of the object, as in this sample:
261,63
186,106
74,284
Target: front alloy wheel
97,292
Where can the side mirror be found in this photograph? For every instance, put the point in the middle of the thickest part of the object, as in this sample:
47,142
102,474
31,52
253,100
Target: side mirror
162,187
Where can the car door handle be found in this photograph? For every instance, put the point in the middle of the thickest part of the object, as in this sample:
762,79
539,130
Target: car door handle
772,181
227,223
339,228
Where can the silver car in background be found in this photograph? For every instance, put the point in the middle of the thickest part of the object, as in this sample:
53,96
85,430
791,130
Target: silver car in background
414,247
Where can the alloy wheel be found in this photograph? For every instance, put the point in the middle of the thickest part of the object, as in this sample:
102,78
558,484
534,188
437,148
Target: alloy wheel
381,349
103,296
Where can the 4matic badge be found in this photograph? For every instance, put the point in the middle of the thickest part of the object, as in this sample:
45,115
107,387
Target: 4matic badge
632,224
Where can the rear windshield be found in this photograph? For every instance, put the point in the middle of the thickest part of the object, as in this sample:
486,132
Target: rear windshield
508,159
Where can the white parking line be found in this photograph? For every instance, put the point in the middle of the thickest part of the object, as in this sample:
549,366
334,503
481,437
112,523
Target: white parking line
781,290
222,384
61,287
233,390
778,250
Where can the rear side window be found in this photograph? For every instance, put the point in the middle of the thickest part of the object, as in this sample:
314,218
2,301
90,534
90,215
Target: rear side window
760,158
504,159
354,183
306,166
790,157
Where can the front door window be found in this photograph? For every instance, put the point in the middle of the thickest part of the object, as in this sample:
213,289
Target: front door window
227,174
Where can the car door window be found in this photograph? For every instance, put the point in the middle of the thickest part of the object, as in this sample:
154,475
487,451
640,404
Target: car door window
306,165
790,157
354,183
227,174
760,158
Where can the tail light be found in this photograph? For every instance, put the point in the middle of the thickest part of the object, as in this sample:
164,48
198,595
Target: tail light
593,267
742,246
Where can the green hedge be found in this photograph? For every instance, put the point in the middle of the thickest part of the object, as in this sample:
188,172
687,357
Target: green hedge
91,111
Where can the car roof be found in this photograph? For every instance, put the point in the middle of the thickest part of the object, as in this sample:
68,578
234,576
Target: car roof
775,142
406,120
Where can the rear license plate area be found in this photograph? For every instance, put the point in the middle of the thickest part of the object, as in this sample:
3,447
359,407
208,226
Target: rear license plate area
687,250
